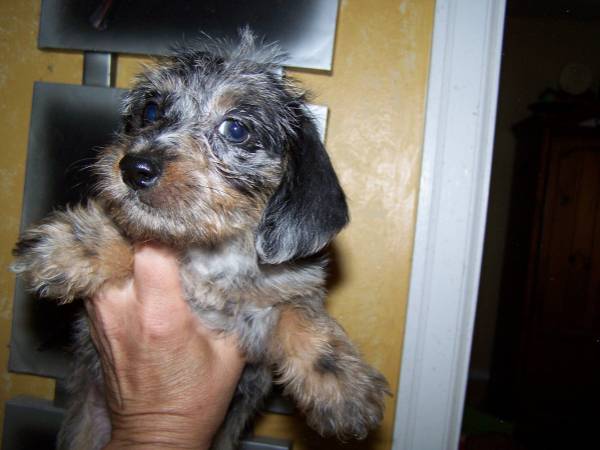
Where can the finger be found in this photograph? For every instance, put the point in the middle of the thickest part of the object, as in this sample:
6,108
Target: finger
111,303
92,320
226,346
110,311
156,274
112,297
101,341
89,307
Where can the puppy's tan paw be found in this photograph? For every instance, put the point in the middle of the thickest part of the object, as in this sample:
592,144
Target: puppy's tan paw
71,254
352,399
41,257
321,369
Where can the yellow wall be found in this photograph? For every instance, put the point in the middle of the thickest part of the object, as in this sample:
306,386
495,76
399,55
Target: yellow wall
376,95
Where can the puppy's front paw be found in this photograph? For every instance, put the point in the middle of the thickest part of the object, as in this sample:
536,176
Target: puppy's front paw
41,257
71,254
352,399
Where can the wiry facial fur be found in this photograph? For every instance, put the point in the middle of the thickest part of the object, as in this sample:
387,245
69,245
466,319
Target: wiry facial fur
248,220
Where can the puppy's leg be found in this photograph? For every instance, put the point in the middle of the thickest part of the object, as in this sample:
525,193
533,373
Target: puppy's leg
252,389
72,253
321,369
86,425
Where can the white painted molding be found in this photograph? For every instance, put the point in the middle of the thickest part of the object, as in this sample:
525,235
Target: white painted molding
457,157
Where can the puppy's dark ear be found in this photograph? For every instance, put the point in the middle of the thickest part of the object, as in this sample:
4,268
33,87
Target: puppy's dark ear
309,206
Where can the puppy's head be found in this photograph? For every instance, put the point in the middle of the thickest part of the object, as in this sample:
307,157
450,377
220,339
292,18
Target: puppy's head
216,143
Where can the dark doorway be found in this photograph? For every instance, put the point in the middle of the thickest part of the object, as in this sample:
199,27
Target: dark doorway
534,379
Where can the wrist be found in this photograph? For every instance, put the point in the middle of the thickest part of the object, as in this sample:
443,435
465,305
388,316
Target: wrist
116,444
163,432
153,442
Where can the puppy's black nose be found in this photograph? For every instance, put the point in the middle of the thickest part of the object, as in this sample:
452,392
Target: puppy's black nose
139,172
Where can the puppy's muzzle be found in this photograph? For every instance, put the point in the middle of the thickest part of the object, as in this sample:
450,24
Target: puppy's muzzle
139,172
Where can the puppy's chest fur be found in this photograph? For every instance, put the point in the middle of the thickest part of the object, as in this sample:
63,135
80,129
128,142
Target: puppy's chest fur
231,291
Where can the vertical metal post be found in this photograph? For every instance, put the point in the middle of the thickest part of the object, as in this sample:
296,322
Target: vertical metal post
99,69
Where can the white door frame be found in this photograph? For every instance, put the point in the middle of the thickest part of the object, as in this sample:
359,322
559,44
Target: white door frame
457,158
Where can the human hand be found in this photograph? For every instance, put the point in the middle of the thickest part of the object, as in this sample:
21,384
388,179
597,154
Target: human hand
168,379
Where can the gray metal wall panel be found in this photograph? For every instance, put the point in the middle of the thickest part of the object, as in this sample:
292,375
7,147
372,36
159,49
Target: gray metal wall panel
305,29
30,424
68,125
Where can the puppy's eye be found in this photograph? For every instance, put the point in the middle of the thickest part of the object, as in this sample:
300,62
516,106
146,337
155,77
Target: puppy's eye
151,113
234,131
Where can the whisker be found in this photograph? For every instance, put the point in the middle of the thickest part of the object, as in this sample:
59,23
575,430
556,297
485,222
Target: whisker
81,165
211,188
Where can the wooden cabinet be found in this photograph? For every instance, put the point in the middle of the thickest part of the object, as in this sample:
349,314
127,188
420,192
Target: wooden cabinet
546,373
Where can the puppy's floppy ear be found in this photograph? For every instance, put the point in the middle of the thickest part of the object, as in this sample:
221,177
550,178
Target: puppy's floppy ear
309,206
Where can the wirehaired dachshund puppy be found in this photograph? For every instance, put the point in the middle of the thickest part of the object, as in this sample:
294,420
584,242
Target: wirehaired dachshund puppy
218,158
